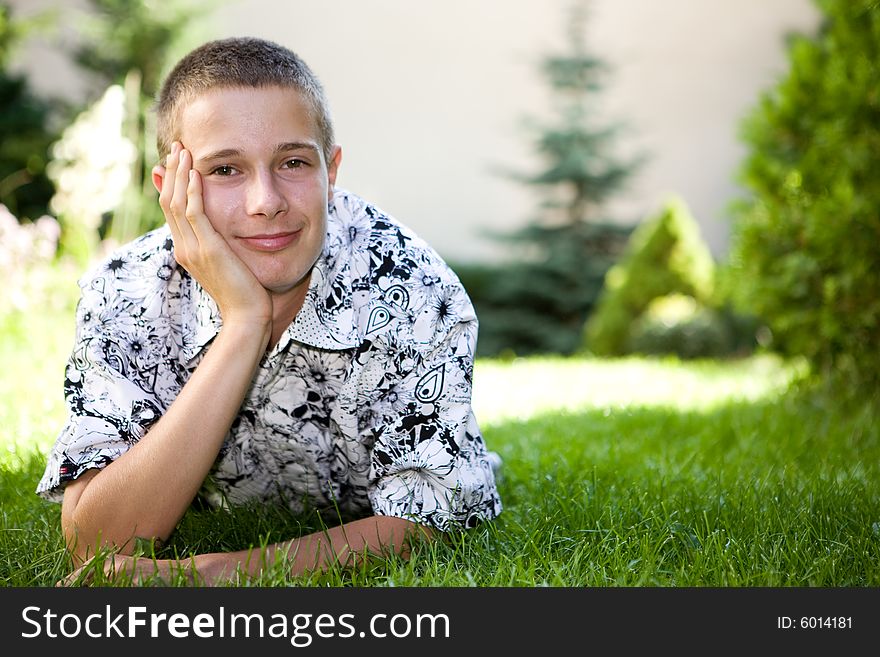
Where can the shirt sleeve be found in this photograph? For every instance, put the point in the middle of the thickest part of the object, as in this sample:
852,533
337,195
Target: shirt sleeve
110,394
429,463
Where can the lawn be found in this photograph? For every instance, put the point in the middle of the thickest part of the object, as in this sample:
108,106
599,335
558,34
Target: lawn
633,472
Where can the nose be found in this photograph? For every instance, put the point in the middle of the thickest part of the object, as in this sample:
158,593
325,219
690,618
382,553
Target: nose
264,197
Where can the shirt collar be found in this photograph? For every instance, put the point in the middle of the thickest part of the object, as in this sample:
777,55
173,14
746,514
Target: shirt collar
314,324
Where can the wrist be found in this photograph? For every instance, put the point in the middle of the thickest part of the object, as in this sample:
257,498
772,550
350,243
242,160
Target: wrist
247,330
212,568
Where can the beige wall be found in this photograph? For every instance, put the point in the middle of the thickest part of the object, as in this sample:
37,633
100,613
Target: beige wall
429,97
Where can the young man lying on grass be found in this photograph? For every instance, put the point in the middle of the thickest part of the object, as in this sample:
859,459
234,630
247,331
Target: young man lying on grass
279,340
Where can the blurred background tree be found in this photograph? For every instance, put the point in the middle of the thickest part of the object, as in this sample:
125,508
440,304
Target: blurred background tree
28,126
539,303
125,45
805,248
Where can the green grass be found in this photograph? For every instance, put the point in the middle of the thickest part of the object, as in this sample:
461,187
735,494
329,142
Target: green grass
616,473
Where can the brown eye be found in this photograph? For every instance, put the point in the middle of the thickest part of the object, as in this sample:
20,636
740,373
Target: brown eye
223,170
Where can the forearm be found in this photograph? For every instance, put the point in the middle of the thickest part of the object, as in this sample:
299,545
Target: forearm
345,545
146,491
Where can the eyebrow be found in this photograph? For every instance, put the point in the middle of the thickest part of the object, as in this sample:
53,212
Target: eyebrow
286,147
297,146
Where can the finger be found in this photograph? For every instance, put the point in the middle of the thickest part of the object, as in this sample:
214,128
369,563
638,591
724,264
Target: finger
80,577
181,182
160,173
166,194
195,204
178,204
167,190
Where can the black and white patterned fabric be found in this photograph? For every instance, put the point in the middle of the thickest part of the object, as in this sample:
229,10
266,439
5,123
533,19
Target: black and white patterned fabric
363,405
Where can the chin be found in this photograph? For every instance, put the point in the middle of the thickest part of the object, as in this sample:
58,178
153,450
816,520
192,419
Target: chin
281,274
279,284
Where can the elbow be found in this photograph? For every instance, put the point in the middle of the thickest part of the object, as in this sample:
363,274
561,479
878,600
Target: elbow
88,532
86,539
81,540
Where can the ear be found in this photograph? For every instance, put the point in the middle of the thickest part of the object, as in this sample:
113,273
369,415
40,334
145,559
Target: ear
158,177
333,169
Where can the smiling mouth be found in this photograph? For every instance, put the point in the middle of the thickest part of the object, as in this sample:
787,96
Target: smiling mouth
273,242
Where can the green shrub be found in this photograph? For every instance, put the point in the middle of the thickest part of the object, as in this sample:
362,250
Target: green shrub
806,245
665,255
677,324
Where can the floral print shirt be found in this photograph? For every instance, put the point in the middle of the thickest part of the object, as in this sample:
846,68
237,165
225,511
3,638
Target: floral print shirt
363,405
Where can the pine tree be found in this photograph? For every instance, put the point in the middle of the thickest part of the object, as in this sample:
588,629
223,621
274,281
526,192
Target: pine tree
580,171
540,303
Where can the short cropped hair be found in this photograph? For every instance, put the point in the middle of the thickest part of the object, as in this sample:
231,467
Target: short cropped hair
238,62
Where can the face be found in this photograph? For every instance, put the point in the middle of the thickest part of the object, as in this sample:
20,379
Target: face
266,184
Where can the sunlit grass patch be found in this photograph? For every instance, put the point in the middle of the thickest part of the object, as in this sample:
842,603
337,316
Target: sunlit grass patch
34,350
522,388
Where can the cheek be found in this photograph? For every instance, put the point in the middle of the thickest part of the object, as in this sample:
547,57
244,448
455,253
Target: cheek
311,194
221,206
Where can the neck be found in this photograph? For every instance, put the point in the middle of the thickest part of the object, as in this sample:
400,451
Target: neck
285,306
